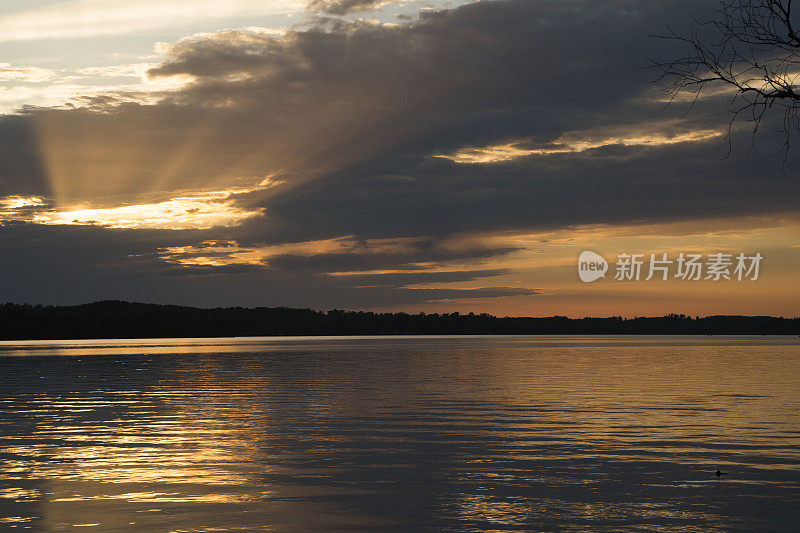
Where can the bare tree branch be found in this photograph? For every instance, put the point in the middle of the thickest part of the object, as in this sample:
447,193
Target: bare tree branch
752,48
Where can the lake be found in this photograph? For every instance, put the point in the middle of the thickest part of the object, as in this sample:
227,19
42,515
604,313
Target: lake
401,434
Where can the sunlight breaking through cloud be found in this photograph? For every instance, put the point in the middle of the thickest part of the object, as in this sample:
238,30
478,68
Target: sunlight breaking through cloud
196,210
189,212
569,144
11,204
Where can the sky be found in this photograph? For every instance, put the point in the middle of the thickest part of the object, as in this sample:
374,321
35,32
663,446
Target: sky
379,155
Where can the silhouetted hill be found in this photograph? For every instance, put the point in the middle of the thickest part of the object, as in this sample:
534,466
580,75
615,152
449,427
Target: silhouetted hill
115,319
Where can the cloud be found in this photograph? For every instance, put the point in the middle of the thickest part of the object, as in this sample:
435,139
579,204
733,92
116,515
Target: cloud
571,143
10,72
344,257
223,253
460,295
359,109
342,7
88,87
93,18
193,210
306,104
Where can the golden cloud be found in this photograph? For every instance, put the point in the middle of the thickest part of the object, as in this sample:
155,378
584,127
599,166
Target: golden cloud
195,210
572,143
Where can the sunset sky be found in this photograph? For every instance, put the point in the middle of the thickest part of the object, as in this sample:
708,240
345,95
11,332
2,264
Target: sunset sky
363,154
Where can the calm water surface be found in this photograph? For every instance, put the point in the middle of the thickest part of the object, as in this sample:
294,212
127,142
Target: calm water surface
401,434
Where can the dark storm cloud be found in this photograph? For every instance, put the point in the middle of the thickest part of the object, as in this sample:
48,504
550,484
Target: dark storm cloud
482,74
613,185
367,100
467,75
350,115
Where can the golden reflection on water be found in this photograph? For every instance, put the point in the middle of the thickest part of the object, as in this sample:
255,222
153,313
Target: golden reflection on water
187,452
292,435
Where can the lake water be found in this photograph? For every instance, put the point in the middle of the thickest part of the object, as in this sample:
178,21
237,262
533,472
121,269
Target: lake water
401,434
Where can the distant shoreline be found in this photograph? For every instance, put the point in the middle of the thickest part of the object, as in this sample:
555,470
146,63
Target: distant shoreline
127,320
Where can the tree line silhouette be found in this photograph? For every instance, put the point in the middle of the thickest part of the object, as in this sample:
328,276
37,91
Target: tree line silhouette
117,319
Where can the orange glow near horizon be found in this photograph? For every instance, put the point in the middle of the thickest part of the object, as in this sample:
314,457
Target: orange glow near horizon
546,261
